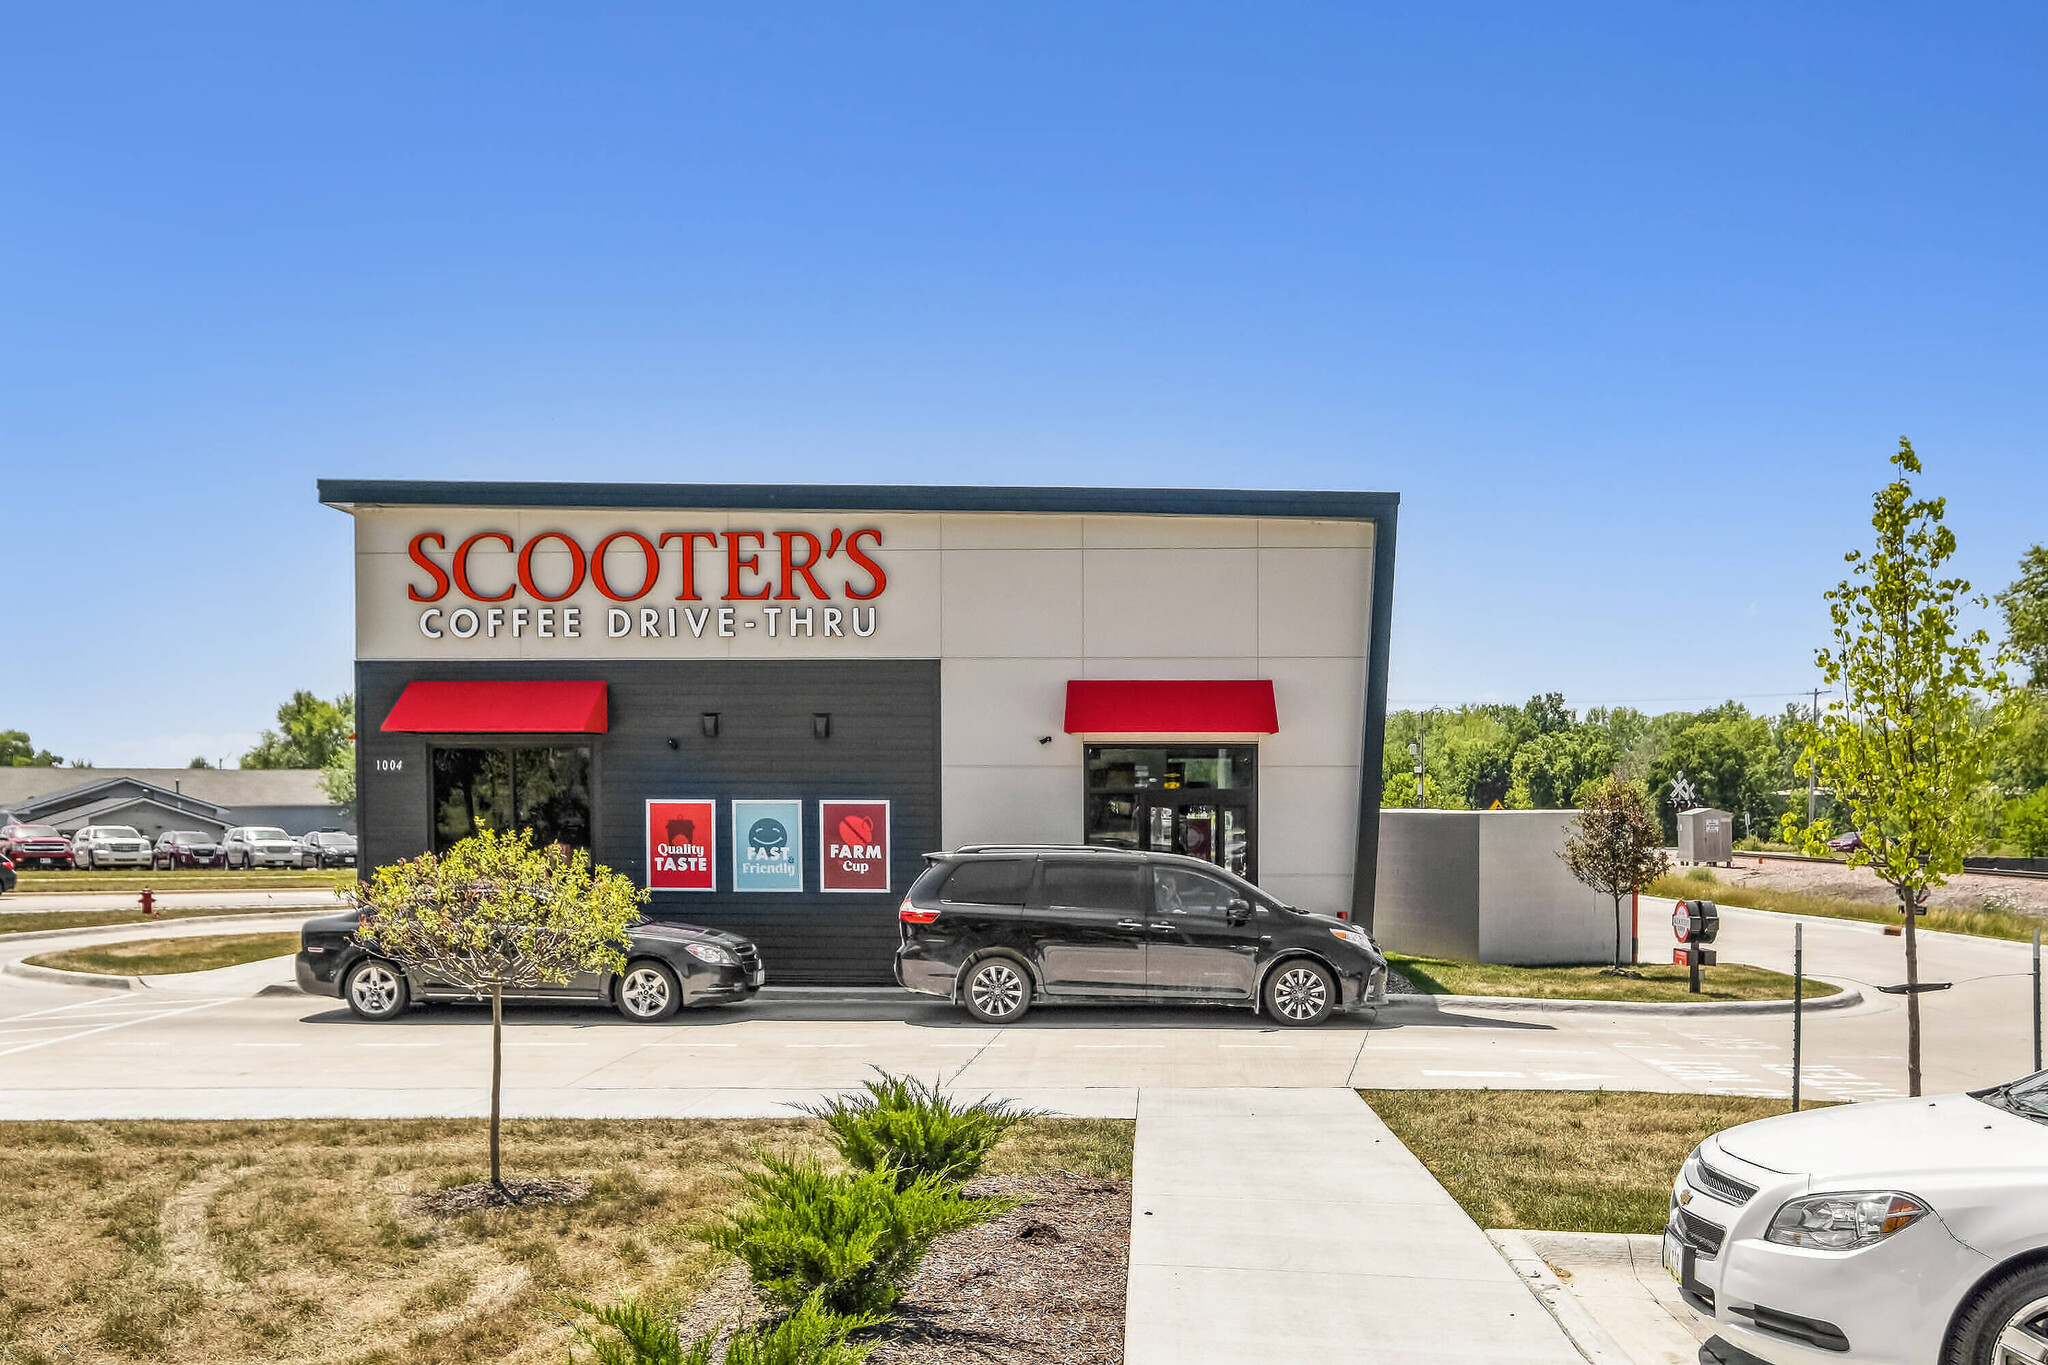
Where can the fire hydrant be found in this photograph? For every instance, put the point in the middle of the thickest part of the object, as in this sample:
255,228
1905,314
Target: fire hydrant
148,902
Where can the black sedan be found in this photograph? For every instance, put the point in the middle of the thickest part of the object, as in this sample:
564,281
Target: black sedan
996,929
668,967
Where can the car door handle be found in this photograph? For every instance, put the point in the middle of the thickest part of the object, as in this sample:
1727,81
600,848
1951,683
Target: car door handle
1128,924
1164,924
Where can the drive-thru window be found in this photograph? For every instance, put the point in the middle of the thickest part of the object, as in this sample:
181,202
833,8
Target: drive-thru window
767,703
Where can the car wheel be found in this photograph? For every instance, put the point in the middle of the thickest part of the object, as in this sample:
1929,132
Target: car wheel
648,992
376,991
997,991
2005,1320
83,864
1300,993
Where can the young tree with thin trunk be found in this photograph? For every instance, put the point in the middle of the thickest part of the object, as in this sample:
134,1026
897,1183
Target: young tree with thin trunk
1615,845
493,914
1899,746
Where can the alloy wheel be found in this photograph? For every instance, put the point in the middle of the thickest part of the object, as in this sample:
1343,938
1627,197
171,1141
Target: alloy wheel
997,990
374,989
2024,1338
645,992
1300,994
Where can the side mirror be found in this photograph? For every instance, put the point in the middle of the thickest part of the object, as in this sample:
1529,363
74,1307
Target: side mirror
1240,911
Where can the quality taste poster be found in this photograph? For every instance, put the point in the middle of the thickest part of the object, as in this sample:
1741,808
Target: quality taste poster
767,846
682,843
854,839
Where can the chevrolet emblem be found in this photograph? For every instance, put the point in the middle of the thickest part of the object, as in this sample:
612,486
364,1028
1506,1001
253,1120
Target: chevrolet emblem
1684,1198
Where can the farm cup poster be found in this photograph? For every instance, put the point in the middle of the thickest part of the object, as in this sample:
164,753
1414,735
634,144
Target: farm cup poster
682,840
767,846
854,838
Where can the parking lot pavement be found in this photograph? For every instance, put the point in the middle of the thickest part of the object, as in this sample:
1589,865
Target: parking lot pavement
73,1052
1290,1224
1612,1293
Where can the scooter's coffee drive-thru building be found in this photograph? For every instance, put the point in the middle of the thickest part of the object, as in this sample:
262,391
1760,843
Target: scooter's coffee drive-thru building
767,703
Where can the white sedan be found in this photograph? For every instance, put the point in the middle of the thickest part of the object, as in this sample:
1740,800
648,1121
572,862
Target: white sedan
1906,1230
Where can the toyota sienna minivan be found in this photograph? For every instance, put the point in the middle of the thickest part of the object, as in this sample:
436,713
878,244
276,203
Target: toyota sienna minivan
996,929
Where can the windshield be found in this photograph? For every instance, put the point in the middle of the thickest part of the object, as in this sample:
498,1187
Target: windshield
268,834
118,832
37,832
2028,1096
189,836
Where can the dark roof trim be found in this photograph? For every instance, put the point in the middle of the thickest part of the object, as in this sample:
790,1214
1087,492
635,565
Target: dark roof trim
1210,502
87,792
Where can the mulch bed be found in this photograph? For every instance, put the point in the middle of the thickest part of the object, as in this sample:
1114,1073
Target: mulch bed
514,1193
1044,1283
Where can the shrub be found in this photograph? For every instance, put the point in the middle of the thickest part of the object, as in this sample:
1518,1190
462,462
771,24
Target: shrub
809,1336
853,1239
1701,874
903,1125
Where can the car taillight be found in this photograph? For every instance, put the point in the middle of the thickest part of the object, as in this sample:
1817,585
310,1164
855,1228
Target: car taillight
910,914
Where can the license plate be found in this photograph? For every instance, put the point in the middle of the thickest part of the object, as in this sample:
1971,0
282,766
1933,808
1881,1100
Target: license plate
757,976
1674,1256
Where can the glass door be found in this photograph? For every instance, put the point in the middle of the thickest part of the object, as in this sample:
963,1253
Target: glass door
1197,800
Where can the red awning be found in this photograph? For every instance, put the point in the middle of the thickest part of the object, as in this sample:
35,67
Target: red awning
498,708
1176,706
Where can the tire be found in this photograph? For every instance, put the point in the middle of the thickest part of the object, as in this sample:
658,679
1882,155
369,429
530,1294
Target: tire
82,864
648,992
997,990
2010,1310
376,991
1299,993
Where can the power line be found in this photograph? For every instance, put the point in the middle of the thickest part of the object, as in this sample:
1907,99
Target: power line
1603,701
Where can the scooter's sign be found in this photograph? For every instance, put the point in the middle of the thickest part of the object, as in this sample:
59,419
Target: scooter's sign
682,841
853,837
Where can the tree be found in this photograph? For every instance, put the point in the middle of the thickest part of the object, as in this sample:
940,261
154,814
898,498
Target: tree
1615,845
17,750
1550,768
494,912
199,763
308,733
1900,747
338,779
2025,605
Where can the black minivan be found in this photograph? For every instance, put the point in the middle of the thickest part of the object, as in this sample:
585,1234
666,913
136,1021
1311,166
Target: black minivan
996,928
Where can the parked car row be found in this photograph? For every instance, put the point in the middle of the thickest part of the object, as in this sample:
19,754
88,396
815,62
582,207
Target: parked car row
101,847
993,929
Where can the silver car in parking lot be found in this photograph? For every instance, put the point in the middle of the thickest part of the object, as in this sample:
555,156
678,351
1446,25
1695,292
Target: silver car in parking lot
101,846
253,846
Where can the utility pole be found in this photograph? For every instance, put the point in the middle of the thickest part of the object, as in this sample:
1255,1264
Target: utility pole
1416,750
1811,778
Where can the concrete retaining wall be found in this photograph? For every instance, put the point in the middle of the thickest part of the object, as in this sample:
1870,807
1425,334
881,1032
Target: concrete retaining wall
1486,886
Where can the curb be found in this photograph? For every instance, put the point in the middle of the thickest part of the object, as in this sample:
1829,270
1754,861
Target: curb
1579,1326
114,983
31,935
1848,996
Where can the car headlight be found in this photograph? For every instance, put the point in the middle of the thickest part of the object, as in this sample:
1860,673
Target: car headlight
1355,936
712,953
1844,1222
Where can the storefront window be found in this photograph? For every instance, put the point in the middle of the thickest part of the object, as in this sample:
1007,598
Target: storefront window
1199,800
542,789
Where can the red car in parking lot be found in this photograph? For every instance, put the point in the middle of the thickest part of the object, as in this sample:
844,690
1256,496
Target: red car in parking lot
27,845
186,848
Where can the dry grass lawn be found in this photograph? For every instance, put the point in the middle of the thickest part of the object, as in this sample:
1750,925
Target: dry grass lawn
165,956
1561,1160
183,879
218,1243
1984,921
1656,983
36,921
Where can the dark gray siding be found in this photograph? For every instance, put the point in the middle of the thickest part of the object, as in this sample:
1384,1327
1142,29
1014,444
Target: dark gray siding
884,745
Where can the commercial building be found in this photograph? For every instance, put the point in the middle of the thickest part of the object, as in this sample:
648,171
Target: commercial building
767,702
154,800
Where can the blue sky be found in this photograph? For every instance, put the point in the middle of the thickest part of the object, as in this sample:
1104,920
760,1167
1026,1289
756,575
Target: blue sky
1629,302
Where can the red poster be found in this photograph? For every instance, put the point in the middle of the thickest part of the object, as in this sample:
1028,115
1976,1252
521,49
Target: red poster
853,844
682,846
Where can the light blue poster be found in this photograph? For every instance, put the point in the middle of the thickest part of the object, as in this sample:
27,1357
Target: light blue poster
767,846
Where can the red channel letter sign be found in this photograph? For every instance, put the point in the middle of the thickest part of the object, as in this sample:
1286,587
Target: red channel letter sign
853,844
682,846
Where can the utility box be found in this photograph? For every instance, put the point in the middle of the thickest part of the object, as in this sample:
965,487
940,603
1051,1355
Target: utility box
1706,835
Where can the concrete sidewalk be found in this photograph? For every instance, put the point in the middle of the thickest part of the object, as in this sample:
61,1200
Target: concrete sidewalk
1292,1225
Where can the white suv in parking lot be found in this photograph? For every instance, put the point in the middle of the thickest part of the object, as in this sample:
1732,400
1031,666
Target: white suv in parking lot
101,846
251,846
1906,1230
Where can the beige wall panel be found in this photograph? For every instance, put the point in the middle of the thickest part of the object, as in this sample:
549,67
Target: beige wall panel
984,531
1322,712
389,530
1171,603
1142,533
1012,603
907,620
1285,531
1012,805
992,712
1308,820
1322,895
1314,602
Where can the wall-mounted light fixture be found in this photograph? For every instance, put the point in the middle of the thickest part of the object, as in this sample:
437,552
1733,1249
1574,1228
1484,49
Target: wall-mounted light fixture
821,725
709,720
1045,739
